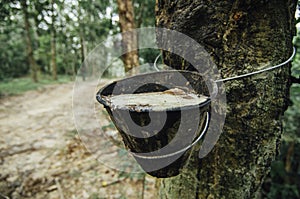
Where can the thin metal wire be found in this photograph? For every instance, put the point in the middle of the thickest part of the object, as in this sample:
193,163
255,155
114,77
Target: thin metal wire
154,64
260,71
247,74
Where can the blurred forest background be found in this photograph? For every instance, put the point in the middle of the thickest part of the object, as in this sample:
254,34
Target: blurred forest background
45,41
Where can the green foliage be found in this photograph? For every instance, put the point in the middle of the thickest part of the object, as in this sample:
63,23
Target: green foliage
77,26
4,9
283,191
144,13
13,51
283,183
19,85
148,55
68,23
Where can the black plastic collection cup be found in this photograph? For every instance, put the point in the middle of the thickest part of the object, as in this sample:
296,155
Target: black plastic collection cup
161,141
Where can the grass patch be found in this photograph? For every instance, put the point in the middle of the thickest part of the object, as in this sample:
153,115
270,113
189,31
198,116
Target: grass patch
20,85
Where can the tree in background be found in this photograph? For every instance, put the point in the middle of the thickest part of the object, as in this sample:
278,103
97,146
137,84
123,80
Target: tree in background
59,32
129,39
241,36
144,13
91,25
145,17
13,51
28,37
53,41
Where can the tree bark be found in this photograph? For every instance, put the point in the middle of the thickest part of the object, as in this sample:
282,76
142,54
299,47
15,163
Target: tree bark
139,15
30,56
53,55
53,44
129,39
241,36
82,52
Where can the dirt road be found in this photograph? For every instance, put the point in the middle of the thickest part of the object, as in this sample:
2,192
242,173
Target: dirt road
41,155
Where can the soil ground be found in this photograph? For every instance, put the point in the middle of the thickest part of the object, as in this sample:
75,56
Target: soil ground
42,156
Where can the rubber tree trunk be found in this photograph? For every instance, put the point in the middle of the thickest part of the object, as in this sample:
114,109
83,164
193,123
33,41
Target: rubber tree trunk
53,55
82,52
129,40
53,44
30,56
241,36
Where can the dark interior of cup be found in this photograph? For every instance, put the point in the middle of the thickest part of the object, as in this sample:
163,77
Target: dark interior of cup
156,134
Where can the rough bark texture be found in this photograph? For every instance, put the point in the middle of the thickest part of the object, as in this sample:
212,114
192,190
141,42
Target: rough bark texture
129,40
30,57
241,36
